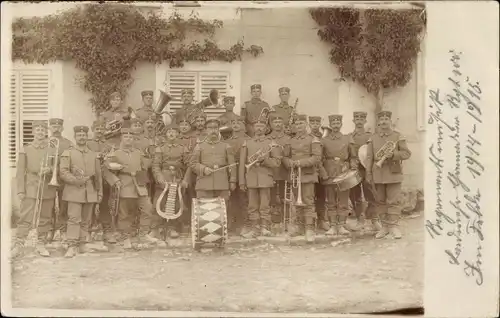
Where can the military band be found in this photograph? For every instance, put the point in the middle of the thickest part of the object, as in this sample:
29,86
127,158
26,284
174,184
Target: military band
281,168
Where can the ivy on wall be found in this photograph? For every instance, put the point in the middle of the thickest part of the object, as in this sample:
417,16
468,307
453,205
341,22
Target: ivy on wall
106,41
376,48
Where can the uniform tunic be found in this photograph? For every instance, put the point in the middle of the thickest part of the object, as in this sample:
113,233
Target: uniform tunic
115,114
281,174
389,177
305,149
226,118
64,144
284,110
251,111
81,196
144,112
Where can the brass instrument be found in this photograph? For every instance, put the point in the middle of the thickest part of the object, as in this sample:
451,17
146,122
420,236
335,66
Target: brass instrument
326,130
173,191
299,201
159,109
114,126
294,112
32,239
211,100
256,157
55,143
383,152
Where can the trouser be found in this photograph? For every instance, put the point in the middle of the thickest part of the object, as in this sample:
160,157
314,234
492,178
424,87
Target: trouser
26,212
238,207
209,194
356,197
129,210
258,207
137,220
338,204
305,214
277,201
387,206
79,220
104,210
59,221
158,222
320,195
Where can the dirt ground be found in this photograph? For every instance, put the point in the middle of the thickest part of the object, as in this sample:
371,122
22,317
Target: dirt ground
363,275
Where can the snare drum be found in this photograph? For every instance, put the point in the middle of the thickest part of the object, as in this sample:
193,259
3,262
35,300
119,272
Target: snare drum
347,180
208,222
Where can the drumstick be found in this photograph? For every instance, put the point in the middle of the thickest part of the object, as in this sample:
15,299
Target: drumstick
228,166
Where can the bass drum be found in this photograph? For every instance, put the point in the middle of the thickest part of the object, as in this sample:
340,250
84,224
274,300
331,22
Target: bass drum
347,180
208,223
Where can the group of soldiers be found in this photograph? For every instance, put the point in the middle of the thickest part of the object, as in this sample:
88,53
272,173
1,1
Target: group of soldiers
247,159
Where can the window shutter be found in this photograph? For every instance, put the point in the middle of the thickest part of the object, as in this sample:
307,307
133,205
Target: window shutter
218,81
176,82
13,120
33,99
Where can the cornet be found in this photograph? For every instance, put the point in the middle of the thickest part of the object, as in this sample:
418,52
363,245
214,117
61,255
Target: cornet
256,157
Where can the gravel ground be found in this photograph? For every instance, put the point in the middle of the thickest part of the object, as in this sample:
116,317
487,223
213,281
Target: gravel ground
362,275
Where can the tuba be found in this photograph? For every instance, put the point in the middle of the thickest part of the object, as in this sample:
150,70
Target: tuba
211,100
173,192
159,109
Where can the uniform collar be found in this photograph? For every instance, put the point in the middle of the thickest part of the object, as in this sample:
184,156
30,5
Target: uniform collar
385,133
169,143
358,131
277,134
259,138
127,149
316,134
336,135
83,149
40,144
301,136
255,99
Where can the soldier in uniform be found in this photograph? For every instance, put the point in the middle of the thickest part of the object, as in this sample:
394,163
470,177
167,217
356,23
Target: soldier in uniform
304,151
209,155
319,189
101,147
280,173
287,129
81,172
389,176
59,218
30,172
283,108
116,112
335,157
199,131
252,109
258,179
169,165
184,133
147,109
189,110
238,202
226,118
360,137
133,192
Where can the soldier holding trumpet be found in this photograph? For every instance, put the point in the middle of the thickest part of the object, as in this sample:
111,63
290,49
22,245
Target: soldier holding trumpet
386,151
81,173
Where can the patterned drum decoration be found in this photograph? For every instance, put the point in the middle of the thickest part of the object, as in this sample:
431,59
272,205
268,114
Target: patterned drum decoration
208,222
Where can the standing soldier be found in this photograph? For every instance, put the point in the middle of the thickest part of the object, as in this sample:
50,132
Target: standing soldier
252,109
147,109
115,115
184,133
238,202
226,118
319,189
169,165
133,196
283,108
34,171
360,137
150,133
336,151
304,151
259,152
102,148
59,218
81,171
189,110
199,132
280,173
389,176
208,158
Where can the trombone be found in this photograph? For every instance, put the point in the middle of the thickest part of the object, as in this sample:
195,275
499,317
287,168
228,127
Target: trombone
289,202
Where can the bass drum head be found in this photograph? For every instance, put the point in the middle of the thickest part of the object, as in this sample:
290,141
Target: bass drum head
363,155
208,222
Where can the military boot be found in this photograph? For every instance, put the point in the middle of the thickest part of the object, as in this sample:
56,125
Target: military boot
173,233
265,229
42,250
342,226
17,248
127,244
395,232
325,225
252,233
375,224
332,231
71,252
382,233
293,228
109,237
84,248
309,229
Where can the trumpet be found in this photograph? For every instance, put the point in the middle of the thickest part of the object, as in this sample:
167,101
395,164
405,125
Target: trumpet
299,201
53,181
256,157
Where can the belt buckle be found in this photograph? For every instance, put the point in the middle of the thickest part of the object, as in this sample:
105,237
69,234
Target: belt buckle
336,158
216,167
171,168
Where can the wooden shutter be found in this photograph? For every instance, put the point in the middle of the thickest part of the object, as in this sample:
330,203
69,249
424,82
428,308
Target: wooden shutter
14,118
214,80
176,82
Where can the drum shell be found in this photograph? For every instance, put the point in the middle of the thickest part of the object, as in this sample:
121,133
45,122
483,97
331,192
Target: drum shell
347,180
208,222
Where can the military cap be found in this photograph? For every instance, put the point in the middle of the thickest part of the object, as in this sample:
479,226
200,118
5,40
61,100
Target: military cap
172,126
314,118
146,93
283,90
56,121
114,95
261,121
213,120
182,119
99,123
359,114
335,118
187,91
151,116
228,99
84,129
255,86
301,117
39,123
275,115
135,121
384,113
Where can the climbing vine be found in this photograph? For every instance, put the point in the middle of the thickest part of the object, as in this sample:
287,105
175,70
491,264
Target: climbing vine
106,41
376,48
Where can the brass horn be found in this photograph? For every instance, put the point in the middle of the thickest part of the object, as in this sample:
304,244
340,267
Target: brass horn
211,100
53,181
162,102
